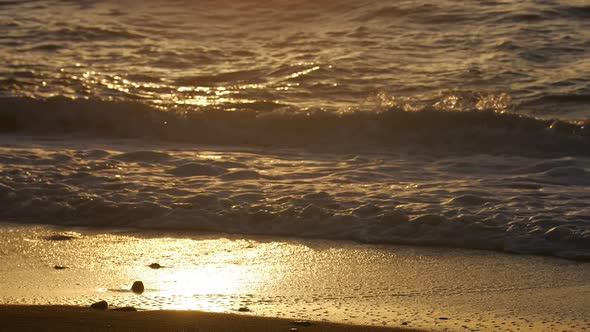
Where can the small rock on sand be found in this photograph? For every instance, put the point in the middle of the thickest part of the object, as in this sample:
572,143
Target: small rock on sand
125,309
243,309
138,287
59,237
155,266
60,267
101,305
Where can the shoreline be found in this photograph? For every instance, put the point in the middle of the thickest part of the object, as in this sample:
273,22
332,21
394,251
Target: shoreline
72,318
386,286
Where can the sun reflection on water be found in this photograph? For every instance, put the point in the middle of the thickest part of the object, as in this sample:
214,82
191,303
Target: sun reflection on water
167,93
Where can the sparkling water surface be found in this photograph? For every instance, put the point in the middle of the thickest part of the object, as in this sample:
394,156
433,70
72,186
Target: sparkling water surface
522,56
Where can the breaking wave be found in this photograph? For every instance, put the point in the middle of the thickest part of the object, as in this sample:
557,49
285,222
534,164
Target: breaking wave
465,132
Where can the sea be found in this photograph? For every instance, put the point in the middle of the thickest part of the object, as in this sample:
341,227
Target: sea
452,124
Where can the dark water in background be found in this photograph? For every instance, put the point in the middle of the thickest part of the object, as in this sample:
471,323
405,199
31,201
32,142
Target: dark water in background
530,57
432,122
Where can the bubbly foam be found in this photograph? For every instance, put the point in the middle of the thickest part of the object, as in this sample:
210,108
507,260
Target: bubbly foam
507,203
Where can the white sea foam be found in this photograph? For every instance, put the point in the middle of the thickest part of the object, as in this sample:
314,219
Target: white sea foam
507,203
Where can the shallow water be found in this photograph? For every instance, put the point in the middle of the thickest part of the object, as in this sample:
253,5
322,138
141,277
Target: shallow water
506,203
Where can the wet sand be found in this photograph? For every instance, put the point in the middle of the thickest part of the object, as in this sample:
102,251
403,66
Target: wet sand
69,318
294,279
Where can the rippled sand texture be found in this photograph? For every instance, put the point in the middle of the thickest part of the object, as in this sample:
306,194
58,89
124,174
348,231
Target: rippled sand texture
512,204
391,286
503,55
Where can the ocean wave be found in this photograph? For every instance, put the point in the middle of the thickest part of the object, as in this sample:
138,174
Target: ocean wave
427,130
580,12
330,54
511,204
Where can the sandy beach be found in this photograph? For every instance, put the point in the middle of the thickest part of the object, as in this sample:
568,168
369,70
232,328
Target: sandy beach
278,281
68,318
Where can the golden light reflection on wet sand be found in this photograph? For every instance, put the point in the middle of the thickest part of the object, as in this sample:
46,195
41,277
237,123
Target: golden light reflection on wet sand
304,279
197,274
202,275
212,275
222,279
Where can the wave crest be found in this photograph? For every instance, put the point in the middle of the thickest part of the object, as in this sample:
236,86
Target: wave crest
428,129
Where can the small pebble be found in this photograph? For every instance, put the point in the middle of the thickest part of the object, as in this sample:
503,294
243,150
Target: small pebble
60,267
244,309
155,266
137,287
59,237
126,309
101,305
